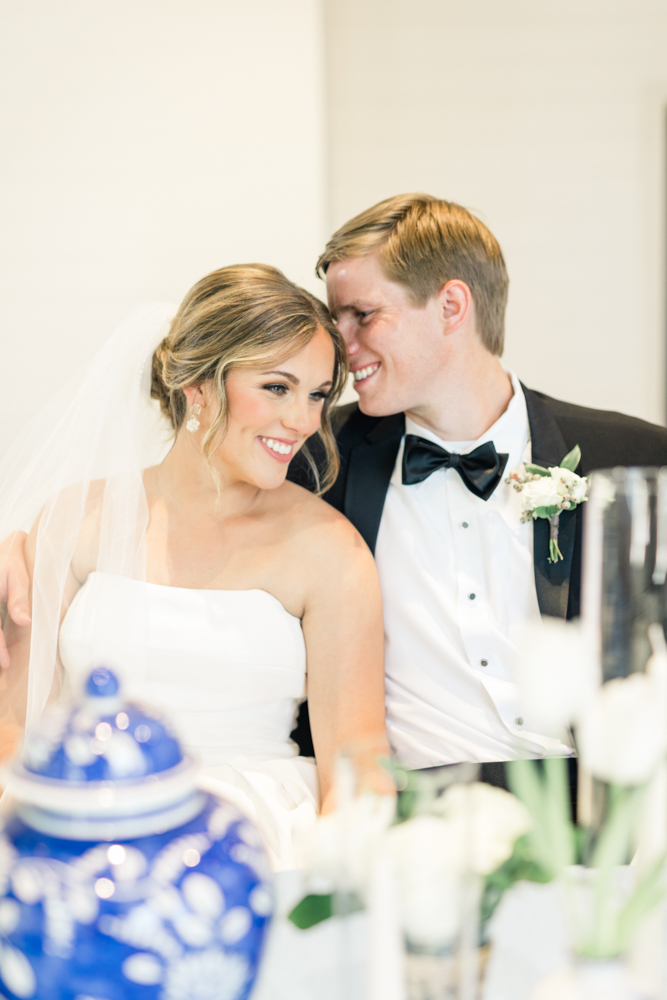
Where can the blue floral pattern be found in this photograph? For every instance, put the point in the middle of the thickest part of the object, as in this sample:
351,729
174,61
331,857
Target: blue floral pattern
175,914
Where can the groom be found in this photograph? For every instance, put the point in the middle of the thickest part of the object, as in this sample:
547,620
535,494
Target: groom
418,287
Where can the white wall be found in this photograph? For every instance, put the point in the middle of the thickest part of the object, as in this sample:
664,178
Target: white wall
546,119
144,143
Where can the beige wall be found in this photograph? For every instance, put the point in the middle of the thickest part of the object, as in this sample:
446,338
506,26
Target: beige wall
144,143
546,119
147,142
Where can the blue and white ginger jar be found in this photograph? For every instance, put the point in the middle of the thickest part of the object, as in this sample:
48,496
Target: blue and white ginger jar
119,879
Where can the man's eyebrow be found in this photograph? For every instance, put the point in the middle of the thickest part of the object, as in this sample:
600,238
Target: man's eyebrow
356,305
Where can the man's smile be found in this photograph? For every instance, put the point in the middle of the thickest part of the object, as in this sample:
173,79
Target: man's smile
363,374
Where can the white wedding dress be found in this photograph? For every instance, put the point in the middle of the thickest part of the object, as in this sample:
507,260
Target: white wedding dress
228,668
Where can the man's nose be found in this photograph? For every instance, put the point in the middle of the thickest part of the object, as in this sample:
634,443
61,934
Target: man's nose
348,328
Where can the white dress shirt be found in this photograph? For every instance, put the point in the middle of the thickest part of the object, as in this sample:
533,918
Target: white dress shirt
458,585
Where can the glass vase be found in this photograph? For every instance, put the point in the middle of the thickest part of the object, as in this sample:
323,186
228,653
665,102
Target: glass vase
439,907
624,613
625,565
588,979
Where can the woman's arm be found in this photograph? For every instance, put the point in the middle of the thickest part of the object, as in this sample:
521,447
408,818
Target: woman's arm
14,589
343,629
14,679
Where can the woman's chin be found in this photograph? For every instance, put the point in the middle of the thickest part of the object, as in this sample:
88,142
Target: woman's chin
269,479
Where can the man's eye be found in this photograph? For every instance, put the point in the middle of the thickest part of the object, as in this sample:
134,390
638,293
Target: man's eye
279,388
362,316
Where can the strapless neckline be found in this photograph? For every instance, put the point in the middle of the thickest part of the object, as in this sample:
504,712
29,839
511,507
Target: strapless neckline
227,667
193,590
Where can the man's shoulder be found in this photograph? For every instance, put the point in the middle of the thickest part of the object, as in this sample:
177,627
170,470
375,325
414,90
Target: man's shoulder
606,437
350,425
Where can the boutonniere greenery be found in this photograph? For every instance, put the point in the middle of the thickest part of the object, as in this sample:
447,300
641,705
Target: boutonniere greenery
548,492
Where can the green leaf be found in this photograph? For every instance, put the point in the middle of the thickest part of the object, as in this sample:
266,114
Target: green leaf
521,866
546,511
572,459
312,910
315,908
536,470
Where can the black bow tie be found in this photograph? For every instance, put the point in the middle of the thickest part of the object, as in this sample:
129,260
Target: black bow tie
481,470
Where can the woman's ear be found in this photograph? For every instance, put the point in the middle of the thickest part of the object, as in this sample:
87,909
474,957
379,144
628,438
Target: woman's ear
194,394
455,302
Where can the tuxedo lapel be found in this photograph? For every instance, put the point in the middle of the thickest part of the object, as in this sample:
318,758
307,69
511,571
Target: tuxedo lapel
370,468
548,448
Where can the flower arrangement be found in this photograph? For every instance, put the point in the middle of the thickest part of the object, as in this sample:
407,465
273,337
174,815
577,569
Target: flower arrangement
337,857
432,841
471,830
621,740
548,492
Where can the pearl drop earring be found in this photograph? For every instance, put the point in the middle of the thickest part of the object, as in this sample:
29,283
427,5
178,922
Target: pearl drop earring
193,424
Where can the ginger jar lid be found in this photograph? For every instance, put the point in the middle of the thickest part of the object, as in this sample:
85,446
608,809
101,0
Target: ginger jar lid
100,764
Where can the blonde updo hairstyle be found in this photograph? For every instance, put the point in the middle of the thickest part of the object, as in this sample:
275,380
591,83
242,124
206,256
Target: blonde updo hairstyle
244,316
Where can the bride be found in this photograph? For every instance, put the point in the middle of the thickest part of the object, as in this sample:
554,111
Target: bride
209,582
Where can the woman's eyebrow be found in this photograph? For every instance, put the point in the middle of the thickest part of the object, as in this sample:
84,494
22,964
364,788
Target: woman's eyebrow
288,375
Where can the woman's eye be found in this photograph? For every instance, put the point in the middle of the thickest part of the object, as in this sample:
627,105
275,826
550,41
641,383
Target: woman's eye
319,395
278,388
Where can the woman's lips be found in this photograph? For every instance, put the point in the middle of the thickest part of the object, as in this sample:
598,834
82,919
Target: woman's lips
279,449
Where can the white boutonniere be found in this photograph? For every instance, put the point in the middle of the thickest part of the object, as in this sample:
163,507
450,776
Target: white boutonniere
548,492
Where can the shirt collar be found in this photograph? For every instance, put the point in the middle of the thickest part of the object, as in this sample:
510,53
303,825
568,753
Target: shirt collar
510,433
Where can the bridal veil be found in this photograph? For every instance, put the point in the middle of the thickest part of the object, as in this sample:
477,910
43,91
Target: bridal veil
102,429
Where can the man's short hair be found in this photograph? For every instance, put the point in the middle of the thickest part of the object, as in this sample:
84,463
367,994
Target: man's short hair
422,243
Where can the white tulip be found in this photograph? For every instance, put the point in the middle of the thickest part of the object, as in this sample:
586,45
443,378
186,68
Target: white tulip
488,821
473,832
337,852
426,854
621,736
557,675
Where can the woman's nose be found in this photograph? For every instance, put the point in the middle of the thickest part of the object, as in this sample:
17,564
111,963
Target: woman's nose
302,417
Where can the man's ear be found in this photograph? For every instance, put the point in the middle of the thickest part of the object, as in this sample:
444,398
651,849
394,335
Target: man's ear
455,304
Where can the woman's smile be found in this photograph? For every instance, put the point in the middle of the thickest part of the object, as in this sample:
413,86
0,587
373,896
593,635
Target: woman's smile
278,448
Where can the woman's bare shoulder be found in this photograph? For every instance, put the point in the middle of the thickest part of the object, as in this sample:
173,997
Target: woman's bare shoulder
314,522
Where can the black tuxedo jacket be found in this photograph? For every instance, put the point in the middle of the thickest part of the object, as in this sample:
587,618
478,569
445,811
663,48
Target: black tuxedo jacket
369,446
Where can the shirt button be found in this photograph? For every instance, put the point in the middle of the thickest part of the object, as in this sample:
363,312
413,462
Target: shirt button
483,663
519,720
472,596
464,524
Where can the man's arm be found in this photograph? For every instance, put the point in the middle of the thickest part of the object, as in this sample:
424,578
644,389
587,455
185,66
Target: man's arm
14,588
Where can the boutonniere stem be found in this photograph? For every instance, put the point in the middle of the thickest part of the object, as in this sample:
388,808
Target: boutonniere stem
554,551
548,492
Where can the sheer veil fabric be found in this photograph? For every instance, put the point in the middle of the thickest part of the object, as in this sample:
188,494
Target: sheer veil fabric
103,430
